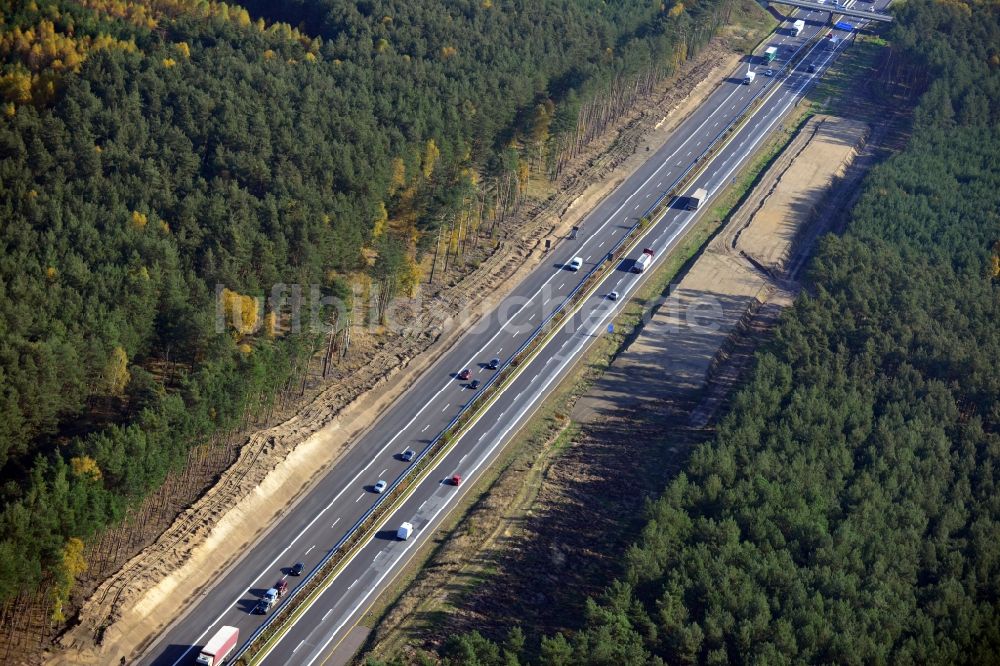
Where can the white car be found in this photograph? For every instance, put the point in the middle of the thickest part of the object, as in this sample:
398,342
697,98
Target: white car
769,72
613,296
380,486
575,264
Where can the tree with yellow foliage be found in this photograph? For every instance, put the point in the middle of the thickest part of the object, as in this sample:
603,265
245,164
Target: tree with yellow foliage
72,564
431,155
115,376
85,466
241,312
381,218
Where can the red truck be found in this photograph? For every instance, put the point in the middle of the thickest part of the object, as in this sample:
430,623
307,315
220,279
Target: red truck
219,646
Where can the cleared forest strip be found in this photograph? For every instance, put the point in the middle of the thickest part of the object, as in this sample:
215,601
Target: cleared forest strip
513,569
156,589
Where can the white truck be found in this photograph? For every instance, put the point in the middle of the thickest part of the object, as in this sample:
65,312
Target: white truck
643,262
218,648
404,531
748,79
798,27
696,199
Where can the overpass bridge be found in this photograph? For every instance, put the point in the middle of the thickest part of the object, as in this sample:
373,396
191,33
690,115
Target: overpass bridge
829,6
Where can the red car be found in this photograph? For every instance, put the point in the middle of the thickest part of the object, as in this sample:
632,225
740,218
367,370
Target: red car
456,480
465,374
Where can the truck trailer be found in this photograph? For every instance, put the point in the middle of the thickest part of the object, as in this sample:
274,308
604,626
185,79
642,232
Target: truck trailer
798,27
643,262
218,648
696,199
770,53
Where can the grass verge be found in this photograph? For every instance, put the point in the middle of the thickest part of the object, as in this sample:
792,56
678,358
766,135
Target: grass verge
835,91
749,24
458,562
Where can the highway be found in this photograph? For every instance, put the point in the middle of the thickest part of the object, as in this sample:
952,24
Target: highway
831,7
311,527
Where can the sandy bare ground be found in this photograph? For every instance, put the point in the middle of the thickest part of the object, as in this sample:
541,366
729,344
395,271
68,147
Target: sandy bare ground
545,534
743,267
276,466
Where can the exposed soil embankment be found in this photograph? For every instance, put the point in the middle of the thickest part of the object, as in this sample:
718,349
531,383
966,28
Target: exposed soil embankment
746,265
276,465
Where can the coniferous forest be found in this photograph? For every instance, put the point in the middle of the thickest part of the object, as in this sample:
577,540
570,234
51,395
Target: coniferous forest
156,157
848,510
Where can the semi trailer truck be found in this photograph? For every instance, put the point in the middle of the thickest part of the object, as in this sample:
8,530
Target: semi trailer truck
219,647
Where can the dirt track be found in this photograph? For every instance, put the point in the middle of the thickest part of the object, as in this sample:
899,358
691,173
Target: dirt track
277,465
546,534
742,268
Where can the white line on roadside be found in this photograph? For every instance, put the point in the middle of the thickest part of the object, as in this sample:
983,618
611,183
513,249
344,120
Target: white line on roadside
444,387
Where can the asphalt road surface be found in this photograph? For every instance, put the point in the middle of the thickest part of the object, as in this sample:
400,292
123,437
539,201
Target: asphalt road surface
316,523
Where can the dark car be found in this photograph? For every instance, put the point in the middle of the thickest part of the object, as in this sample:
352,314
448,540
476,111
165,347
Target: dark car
465,374
811,69
297,569
263,605
474,384
494,364
282,587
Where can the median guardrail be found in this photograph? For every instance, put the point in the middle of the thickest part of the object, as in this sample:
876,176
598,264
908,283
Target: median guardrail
297,601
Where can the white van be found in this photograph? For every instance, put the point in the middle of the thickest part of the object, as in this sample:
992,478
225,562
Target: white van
404,531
